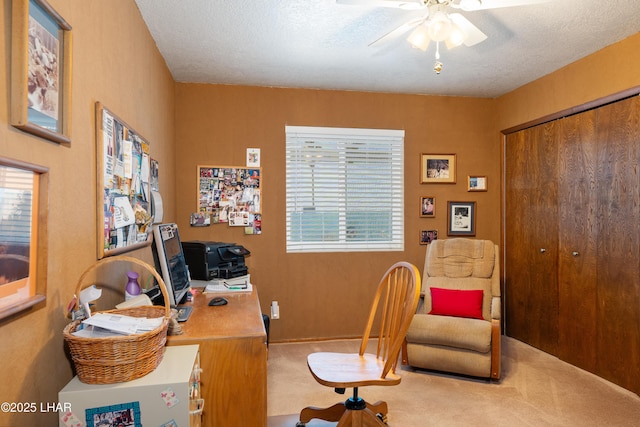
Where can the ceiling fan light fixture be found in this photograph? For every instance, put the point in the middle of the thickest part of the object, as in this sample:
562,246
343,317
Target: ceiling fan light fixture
456,38
419,38
439,26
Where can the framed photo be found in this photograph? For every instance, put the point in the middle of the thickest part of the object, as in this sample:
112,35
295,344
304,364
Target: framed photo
477,183
123,414
438,168
427,236
428,207
461,220
40,71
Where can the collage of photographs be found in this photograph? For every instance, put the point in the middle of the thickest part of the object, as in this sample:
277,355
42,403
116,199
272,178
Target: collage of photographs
229,195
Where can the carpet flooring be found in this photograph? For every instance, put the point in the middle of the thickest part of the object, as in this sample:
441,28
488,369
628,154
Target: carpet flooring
536,389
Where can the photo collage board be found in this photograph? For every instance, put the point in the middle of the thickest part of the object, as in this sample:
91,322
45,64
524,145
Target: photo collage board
230,195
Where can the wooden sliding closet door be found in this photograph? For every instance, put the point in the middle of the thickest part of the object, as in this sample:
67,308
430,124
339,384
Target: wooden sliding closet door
572,239
531,245
577,227
618,319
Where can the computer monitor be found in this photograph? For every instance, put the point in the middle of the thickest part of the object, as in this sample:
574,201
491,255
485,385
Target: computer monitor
169,259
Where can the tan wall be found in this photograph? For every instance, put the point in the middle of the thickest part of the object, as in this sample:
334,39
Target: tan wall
114,61
328,295
611,70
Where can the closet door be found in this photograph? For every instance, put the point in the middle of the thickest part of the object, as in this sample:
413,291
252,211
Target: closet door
578,233
531,237
618,294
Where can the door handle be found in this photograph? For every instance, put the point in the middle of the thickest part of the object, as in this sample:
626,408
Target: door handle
575,253
542,250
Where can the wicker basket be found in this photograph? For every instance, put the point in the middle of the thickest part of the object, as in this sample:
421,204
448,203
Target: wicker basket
119,358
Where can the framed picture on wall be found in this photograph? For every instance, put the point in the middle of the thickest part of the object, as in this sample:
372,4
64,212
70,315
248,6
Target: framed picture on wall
427,236
438,169
477,183
40,71
461,219
428,207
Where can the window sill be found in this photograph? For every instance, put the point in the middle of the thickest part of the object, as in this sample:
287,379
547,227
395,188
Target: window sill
22,305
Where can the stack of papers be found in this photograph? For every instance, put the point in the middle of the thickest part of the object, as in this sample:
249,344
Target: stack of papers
237,284
109,324
227,287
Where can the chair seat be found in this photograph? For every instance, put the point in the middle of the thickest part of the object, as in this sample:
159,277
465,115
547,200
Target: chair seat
345,370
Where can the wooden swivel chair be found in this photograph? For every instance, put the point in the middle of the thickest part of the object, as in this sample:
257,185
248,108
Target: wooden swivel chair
394,304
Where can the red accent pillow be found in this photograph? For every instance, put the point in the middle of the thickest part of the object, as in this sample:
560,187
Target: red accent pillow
455,302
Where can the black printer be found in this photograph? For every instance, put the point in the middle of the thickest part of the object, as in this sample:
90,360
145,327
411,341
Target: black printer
215,260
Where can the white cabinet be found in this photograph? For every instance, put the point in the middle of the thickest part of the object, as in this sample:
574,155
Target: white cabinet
168,396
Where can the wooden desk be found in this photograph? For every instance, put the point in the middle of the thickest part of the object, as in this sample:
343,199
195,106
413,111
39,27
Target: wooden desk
233,357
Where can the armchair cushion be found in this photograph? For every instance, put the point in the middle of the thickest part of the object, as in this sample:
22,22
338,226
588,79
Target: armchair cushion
458,332
456,302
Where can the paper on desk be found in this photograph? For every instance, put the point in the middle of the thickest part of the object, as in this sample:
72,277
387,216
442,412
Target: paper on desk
220,287
224,285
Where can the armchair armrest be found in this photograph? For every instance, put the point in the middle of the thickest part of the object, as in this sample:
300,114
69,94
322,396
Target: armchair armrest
496,308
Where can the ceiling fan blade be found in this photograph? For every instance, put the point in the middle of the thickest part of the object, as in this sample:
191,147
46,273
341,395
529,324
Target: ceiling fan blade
494,4
473,35
399,30
398,4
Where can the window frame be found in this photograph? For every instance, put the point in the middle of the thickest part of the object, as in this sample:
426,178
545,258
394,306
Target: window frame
347,138
37,279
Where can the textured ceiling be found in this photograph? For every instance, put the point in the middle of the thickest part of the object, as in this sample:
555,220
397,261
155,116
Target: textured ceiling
323,45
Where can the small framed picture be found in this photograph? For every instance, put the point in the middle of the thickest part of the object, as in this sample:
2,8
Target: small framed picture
428,207
461,219
427,236
477,183
438,169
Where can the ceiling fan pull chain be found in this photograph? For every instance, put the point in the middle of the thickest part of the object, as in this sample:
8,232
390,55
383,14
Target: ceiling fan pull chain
437,67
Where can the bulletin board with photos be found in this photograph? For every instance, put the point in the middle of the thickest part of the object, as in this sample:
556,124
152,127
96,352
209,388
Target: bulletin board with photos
124,193
231,195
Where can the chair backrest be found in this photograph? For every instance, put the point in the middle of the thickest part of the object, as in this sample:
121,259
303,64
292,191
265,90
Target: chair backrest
395,301
466,264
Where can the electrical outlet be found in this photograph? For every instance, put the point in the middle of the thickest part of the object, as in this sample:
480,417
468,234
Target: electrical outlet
275,310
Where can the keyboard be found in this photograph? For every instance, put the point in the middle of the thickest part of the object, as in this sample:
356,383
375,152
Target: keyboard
184,311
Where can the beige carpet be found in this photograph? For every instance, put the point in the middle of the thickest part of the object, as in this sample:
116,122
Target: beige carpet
536,389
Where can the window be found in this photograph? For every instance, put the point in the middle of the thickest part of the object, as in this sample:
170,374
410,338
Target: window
21,200
344,190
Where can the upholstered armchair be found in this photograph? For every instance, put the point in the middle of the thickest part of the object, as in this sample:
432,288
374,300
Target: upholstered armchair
457,324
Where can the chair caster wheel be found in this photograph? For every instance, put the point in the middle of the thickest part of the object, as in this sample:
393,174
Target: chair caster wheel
300,424
382,418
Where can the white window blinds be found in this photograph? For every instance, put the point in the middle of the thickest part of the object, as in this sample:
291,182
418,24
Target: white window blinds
344,189
16,189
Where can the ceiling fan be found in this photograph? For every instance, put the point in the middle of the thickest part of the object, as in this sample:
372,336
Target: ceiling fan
437,23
